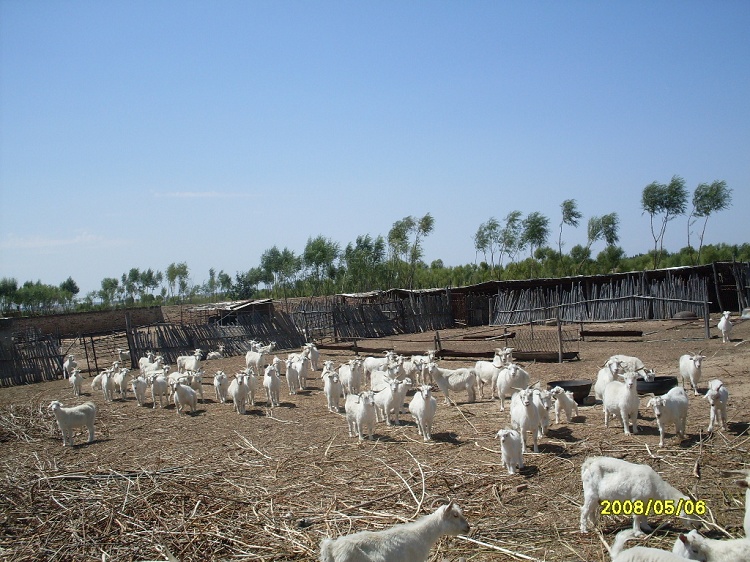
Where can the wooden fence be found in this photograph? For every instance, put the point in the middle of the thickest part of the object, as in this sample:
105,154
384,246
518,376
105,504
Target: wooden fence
627,299
30,357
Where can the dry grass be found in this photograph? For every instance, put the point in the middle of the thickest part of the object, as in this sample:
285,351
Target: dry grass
271,484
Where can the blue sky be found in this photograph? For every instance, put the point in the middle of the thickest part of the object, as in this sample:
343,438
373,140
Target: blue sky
137,134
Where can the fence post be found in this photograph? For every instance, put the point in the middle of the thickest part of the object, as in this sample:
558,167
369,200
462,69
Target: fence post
559,336
706,320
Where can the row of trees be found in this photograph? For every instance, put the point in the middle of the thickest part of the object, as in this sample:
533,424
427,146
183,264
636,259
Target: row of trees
379,262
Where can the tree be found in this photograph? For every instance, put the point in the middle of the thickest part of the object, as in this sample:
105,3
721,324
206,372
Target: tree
405,240
68,290
669,200
279,267
605,227
535,231
487,239
708,199
225,282
319,255
364,263
108,292
177,277
570,217
8,290
511,236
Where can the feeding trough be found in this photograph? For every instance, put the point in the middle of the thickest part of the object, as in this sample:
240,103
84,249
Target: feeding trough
659,386
580,388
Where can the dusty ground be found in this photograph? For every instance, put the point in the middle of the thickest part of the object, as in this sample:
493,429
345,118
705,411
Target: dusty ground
271,484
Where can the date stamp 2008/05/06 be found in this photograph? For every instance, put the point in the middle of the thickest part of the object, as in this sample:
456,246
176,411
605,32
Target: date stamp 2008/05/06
653,507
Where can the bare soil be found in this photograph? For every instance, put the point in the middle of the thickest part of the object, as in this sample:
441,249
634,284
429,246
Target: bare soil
271,484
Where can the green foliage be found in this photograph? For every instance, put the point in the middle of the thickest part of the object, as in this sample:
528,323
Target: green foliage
669,200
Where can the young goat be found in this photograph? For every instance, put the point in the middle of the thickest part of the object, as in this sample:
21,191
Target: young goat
671,407
139,386
725,327
717,395
160,388
238,391
564,401
184,396
511,449
524,416
272,384
621,399
423,407
607,478
734,550
360,414
385,402
72,418
76,378
407,542
642,553
351,375
221,386
69,365
332,389
690,369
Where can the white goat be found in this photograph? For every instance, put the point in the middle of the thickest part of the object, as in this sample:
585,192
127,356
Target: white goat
385,400
406,542
380,378
292,375
69,365
108,386
423,407
159,387
641,553
734,550
123,355
314,355
454,379
671,407
351,375
139,386
564,401
360,414
255,359
221,386
631,364
121,380
690,369
218,354
511,449
621,399
683,548
725,327
524,416
487,373
717,395
72,418
302,365
184,396
607,478
371,364
332,389
606,375
145,361
543,402
510,378
76,379
189,362
272,384
238,391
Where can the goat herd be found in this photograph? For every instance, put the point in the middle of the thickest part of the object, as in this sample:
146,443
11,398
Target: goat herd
374,389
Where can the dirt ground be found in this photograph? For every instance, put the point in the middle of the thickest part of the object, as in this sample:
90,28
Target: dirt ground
269,485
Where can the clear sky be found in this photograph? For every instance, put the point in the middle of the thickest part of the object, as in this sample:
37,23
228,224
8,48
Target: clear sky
140,133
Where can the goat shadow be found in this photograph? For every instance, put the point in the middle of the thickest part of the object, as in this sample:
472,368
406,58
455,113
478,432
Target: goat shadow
563,433
446,437
557,450
738,428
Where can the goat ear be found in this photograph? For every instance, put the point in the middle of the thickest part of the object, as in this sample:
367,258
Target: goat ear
683,538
